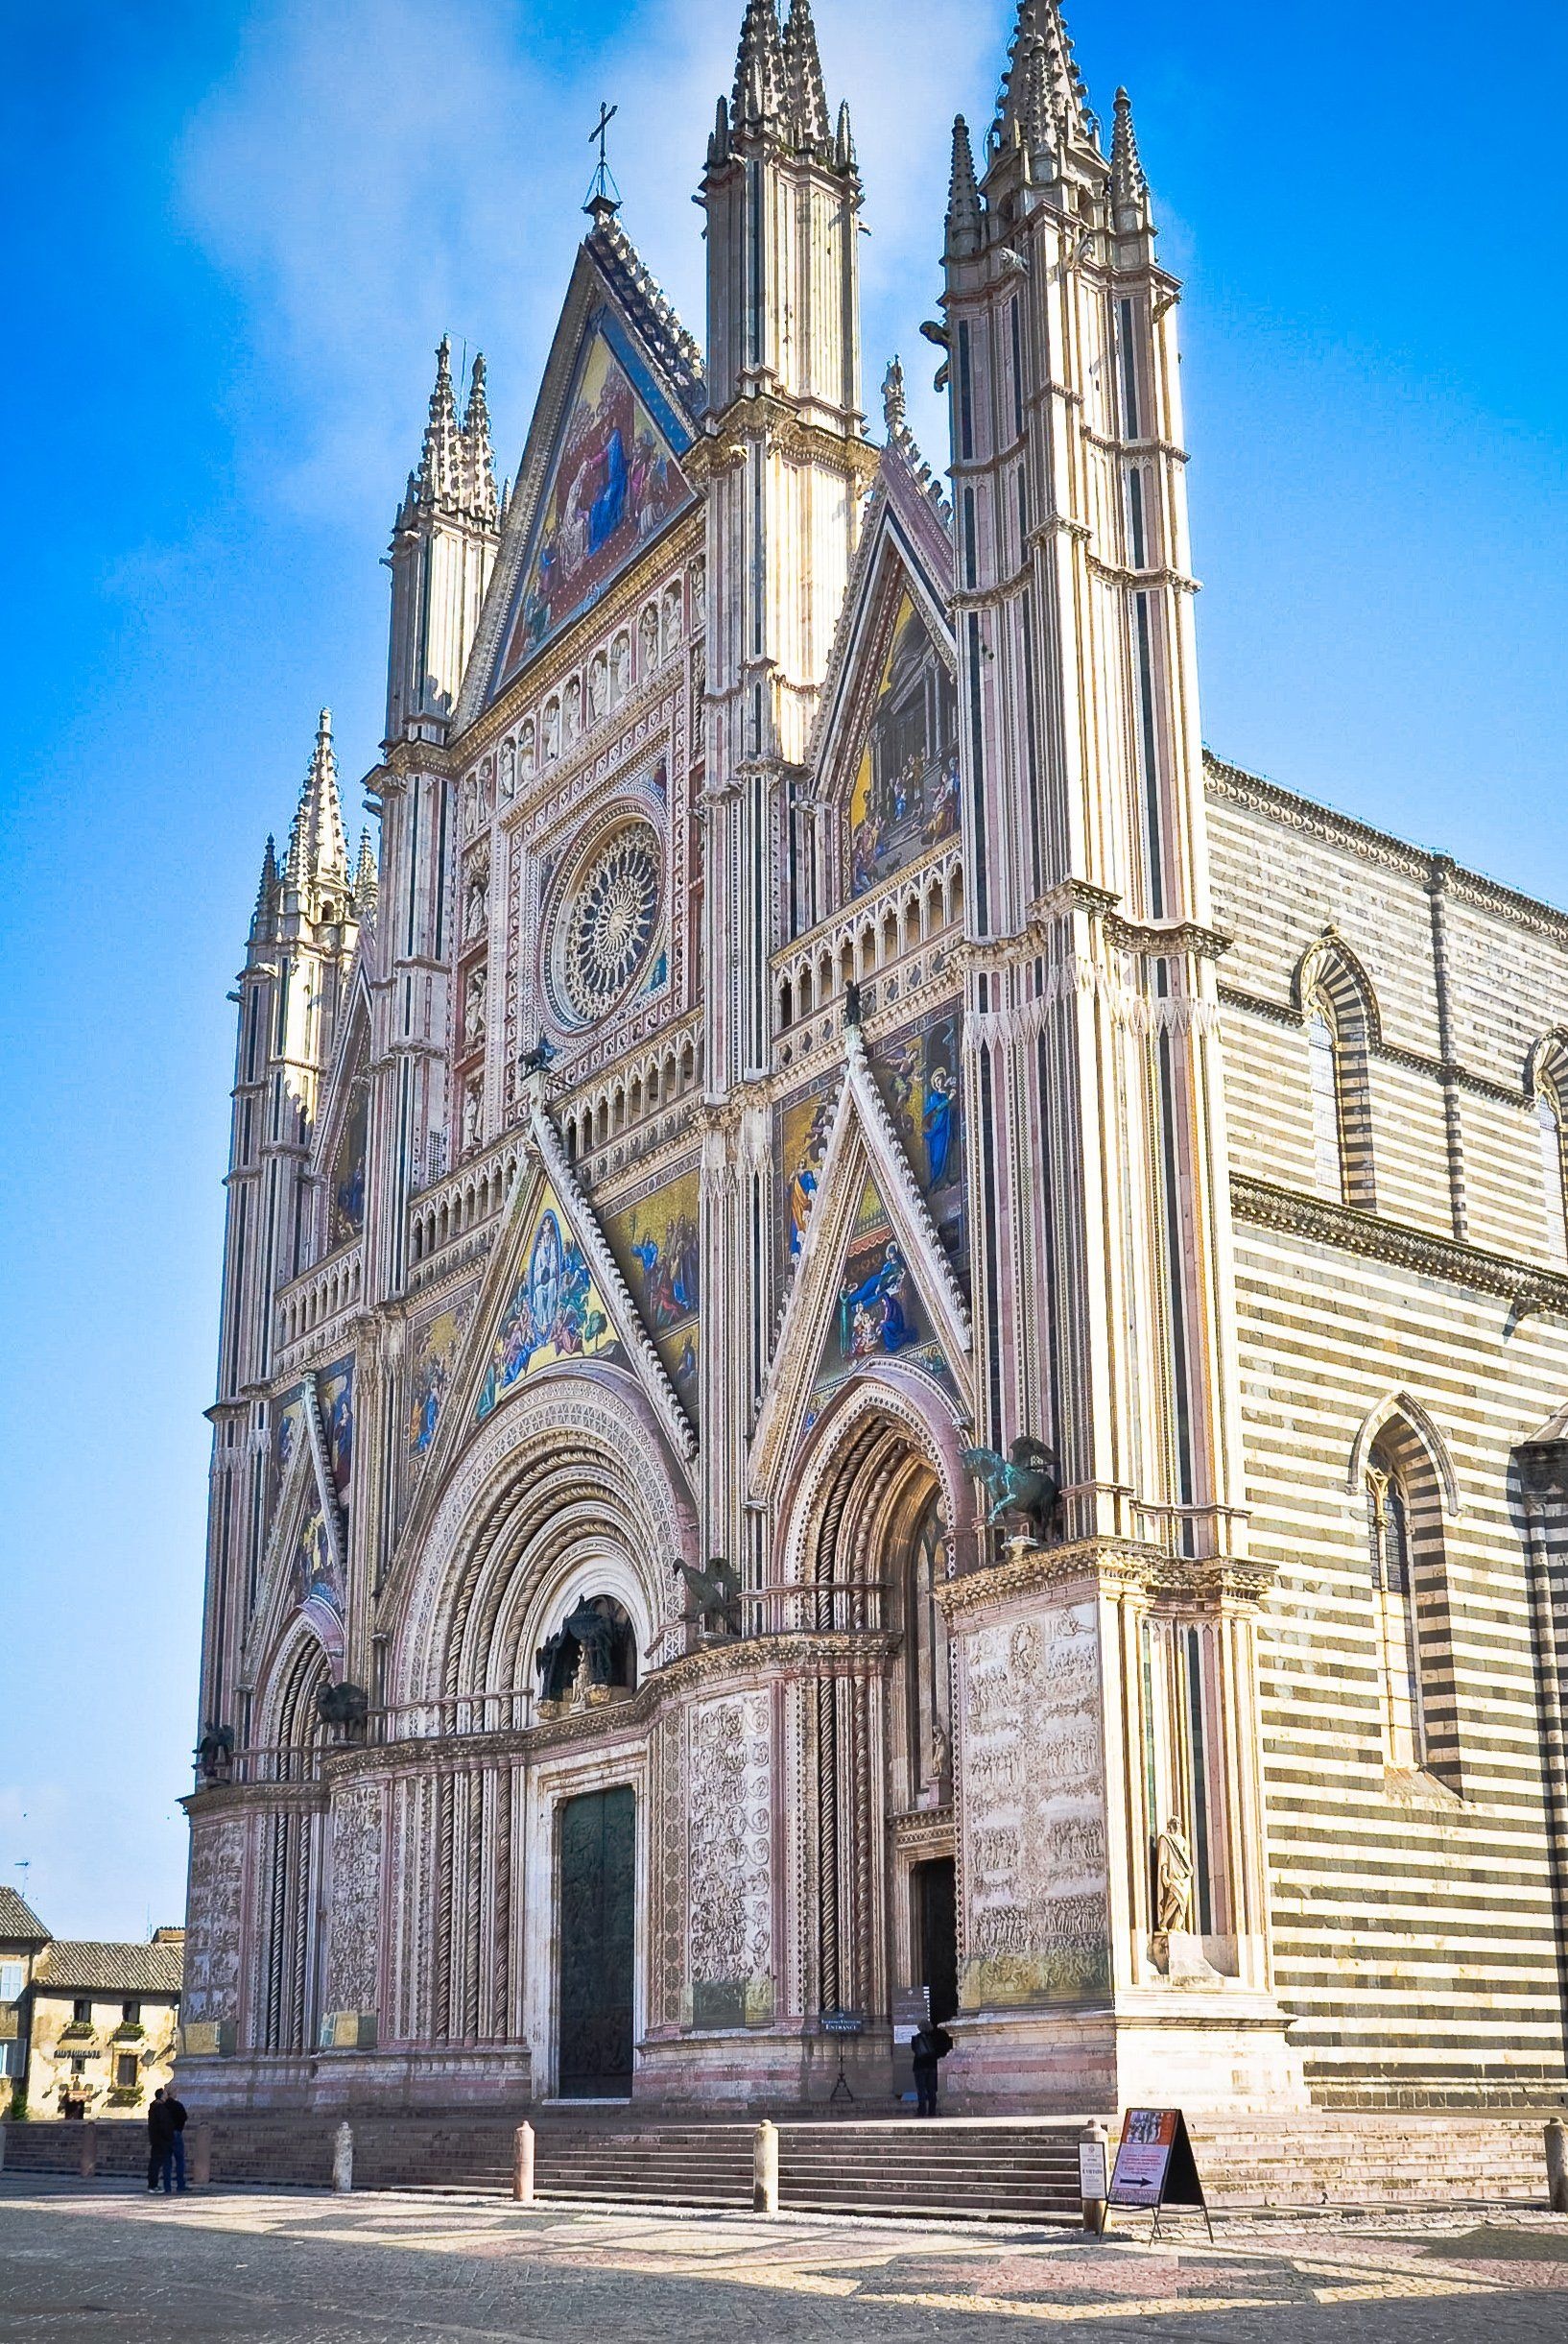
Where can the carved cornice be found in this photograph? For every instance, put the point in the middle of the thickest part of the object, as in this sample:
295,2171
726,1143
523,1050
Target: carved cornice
1111,1566
774,421
1377,846
1168,940
1268,1206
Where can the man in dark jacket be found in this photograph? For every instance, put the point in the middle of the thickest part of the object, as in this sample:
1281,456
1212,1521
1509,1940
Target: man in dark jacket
174,2154
160,2132
929,2048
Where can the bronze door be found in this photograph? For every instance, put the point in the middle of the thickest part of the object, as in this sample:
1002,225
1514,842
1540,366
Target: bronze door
598,1880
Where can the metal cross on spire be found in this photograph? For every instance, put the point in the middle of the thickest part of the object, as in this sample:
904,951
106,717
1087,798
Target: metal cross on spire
604,196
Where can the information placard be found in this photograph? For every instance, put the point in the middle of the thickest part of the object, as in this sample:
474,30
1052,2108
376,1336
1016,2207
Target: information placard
1091,2168
1154,2164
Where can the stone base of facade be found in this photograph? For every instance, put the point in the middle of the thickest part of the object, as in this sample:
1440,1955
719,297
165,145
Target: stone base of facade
482,2077
1188,2048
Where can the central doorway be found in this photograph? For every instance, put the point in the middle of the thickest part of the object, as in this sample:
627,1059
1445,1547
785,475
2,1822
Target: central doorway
597,1941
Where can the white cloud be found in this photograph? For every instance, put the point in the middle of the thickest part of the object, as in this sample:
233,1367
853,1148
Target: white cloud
373,175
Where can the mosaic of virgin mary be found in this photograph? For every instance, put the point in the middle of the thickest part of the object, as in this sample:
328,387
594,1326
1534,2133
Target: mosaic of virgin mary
615,482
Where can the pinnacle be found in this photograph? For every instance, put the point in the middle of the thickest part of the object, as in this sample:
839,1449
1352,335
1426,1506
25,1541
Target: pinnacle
366,879
964,216
318,853
456,469
761,77
1128,183
1042,99
803,70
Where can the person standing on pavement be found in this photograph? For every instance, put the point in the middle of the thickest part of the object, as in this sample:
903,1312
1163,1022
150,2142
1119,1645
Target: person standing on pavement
929,2048
160,2132
174,2153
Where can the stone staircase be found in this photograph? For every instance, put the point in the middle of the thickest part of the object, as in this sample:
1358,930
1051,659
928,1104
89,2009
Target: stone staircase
956,2168
961,2168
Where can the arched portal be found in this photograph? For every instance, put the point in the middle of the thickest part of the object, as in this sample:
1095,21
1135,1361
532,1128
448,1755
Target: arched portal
869,1545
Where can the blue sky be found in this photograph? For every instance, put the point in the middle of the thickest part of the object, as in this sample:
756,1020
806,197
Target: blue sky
236,235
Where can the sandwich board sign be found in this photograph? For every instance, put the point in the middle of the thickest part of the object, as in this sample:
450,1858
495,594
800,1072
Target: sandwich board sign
1154,2164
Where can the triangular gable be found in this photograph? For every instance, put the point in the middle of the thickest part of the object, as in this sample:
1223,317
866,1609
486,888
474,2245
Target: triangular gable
851,1300
885,747
303,1567
568,1278
602,471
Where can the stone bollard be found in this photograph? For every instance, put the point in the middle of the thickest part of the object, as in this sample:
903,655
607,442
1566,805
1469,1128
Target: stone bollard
1557,2166
1093,2173
522,2164
765,2169
89,2163
201,2155
342,2157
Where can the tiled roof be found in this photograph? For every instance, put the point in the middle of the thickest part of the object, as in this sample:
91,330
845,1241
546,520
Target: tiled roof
83,1967
18,1922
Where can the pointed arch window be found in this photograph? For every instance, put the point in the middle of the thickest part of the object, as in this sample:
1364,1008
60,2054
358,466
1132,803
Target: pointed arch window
1392,1555
1340,1020
1550,1137
1323,1066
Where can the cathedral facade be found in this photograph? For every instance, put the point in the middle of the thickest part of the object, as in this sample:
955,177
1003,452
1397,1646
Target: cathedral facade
888,1341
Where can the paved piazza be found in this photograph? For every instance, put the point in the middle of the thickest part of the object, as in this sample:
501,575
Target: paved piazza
83,2260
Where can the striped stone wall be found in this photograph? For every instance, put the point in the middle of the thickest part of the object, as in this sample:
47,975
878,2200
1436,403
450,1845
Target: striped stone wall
1419,1917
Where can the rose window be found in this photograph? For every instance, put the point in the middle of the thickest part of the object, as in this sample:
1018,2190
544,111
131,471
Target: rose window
607,934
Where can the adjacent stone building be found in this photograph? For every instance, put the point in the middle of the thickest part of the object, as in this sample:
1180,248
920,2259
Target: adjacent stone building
87,2028
886,1340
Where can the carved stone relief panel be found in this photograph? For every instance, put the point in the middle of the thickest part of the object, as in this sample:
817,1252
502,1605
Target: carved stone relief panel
729,1930
1032,1822
354,1938
211,1993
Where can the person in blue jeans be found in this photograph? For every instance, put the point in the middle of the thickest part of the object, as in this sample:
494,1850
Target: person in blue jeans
173,2146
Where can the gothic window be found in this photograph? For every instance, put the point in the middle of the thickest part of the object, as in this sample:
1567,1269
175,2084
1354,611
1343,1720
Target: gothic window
1339,1017
1393,1592
1548,1131
1327,1150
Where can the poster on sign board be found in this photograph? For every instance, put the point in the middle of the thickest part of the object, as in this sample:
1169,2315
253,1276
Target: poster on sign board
1154,2164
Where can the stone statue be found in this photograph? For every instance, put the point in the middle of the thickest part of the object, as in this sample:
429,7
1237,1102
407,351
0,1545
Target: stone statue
473,1018
1173,1880
554,1664
620,667
343,1706
214,1750
473,1116
595,1638
1024,1483
712,1595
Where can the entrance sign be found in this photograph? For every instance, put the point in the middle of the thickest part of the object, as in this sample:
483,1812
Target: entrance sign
1154,2164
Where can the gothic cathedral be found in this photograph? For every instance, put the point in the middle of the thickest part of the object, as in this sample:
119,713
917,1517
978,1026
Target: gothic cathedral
890,1342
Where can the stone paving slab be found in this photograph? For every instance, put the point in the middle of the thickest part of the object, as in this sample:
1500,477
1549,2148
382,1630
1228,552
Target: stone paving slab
100,2263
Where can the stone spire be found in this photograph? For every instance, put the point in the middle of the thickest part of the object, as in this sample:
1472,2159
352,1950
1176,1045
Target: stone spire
367,879
267,891
808,114
964,215
761,76
478,455
317,855
440,475
1042,99
1128,187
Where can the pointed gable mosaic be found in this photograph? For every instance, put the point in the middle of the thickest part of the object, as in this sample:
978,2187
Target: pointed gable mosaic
879,1314
614,480
904,798
555,1311
655,1239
